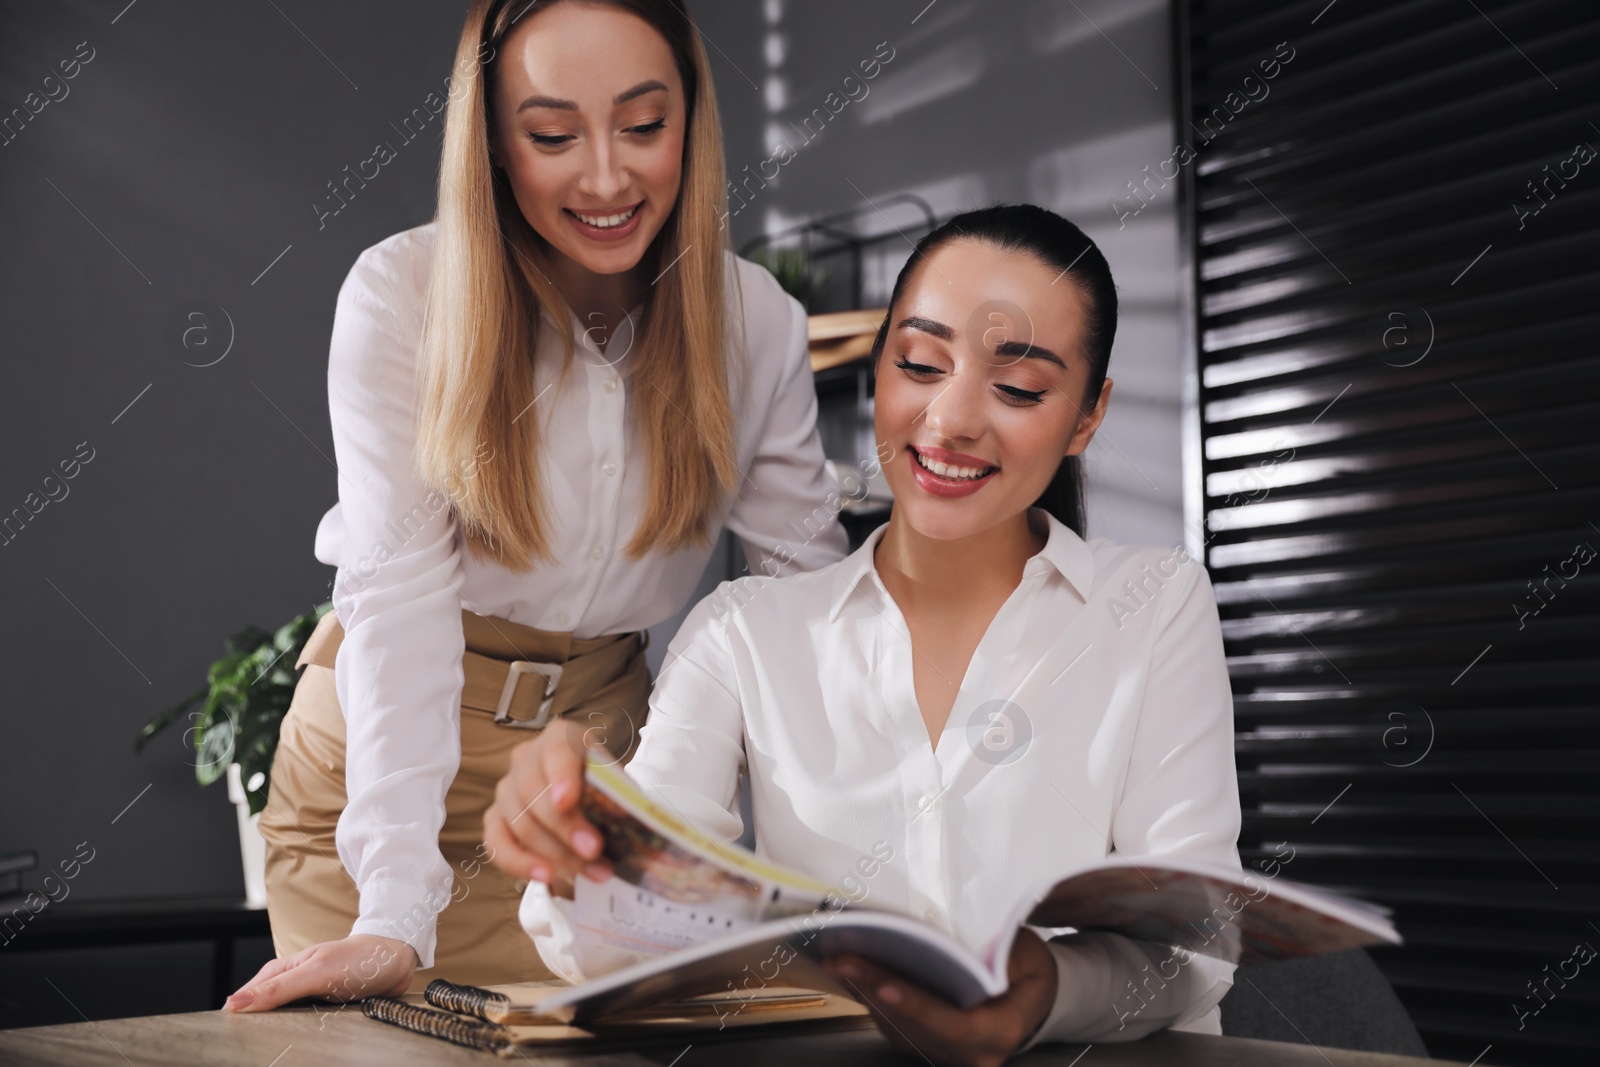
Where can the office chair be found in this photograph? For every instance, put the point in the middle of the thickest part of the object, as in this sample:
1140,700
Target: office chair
1340,999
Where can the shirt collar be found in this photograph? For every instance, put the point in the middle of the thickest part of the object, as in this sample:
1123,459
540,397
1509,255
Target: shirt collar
1064,552
636,313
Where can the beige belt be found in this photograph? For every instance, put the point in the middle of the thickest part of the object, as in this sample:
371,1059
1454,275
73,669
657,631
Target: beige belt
522,676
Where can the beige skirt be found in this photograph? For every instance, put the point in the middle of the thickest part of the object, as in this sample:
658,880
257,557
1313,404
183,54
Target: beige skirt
604,681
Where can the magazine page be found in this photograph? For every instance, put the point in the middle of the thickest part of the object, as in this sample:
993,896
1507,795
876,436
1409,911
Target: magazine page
673,887
1239,916
785,952
685,915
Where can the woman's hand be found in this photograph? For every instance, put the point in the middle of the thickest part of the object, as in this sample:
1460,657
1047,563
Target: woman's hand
922,1022
361,965
533,829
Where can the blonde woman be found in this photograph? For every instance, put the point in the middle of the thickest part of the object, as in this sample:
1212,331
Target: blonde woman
545,405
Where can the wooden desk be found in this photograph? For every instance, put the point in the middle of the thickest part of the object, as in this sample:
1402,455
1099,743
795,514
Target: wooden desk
346,1038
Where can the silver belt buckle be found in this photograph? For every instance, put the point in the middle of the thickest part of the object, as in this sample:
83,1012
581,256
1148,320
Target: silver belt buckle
551,672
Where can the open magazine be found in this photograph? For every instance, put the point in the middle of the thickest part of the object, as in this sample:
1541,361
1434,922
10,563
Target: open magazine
700,915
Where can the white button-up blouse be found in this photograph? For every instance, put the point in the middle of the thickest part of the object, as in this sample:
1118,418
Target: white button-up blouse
1095,717
404,575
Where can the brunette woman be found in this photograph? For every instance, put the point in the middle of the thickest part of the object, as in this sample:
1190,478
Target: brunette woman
978,690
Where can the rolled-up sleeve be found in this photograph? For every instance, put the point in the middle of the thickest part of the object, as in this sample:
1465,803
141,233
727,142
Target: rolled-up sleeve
1180,799
398,671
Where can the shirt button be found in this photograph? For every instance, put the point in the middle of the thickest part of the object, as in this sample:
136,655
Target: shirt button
930,915
610,385
925,803
562,618
609,468
520,885
598,550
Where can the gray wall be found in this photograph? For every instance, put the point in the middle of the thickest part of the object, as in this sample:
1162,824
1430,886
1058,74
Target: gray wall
179,173
983,102
183,162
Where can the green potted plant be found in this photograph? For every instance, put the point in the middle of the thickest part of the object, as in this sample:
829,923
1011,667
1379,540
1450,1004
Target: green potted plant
796,274
237,714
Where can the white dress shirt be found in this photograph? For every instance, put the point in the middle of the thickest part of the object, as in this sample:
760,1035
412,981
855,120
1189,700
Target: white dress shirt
404,575
1115,735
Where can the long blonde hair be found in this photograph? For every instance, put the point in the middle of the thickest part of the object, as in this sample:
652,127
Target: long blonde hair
489,282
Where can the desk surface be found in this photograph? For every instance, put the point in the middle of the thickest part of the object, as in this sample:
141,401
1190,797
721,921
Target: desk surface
346,1038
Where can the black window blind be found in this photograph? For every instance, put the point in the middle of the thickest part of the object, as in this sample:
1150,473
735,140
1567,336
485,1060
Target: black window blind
1391,216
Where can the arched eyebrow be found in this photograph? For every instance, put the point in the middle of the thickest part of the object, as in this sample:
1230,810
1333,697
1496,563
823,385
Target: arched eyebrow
623,97
917,322
1019,349
1024,350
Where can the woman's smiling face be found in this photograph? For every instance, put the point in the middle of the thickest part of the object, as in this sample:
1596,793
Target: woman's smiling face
589,122
980,388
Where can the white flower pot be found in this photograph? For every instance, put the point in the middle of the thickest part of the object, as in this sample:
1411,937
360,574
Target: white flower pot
252,849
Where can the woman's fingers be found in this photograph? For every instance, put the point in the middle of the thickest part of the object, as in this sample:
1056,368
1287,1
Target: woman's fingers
534,825
272,968
888,993
566,864
281,981
507,850
563,765
526,821
553,862
358,966
292,983
922,1022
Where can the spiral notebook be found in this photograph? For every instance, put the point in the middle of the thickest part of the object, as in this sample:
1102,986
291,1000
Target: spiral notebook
506,1019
